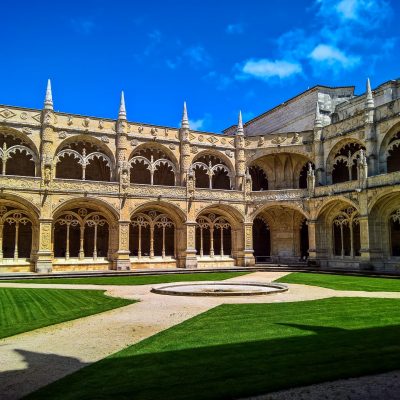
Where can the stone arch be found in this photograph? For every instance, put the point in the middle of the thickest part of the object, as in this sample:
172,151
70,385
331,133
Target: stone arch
156,230
330,160
271,204
389,145
84,229
213,170
18,154
19,233
285,224
282,169
73,161
277,150
154,164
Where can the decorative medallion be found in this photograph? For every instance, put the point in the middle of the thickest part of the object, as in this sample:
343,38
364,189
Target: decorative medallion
70,120
201,138
24,115
62,135
27,131
172,146
6,113
101,124
195,149
134,142
212,139
105,139
278,139
85,122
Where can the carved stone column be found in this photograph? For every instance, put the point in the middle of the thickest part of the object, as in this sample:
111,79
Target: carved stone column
184,154
312,240
189,257
44,256
248,254
365,251
121,259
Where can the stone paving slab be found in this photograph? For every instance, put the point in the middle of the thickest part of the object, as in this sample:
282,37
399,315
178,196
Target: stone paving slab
33,359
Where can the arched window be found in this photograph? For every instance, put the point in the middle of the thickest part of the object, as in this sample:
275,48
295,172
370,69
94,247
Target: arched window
213,236
15,234
211,172
345,163
81,233
16,157
83,160
258,178
394,221
393,154
152,234
152,167
261,240
346,233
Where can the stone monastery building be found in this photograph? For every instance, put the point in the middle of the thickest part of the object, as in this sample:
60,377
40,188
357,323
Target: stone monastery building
316,178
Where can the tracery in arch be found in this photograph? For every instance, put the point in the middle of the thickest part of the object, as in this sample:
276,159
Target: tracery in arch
152,234
15,234
211,172
346,233
258,178
81,233
392,154
345,163
152,166
213,236
16,157
83,160
394,221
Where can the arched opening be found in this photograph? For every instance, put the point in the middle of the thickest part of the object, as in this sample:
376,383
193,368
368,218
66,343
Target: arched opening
258,178
304,240
213,236
15,234
83,160
152,167
346,233
261,240
394,222
152,234
304,174
393,154
211,172
81,233
345,163
16,157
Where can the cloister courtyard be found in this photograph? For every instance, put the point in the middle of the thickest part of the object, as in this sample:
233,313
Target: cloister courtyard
110,337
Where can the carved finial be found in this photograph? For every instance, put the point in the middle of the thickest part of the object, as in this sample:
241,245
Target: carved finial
48,100
185,119
122,109
369,100
239,130
318,119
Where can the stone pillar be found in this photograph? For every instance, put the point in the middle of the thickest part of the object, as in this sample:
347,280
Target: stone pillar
44,256
189,256
312,240
365,262
184,154
248,253
121,260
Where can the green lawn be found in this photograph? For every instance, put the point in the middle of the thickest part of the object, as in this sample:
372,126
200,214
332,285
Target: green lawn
136,280
23,310
235,351
343,282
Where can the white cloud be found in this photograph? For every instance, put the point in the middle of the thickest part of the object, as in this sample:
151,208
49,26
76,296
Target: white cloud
332,55
266,69
196,124
198,56
234,29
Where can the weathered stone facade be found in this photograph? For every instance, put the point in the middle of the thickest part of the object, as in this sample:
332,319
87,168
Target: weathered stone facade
84,193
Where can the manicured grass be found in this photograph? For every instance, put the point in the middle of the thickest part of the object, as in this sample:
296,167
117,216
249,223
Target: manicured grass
23,310
136,280
235,351
343,282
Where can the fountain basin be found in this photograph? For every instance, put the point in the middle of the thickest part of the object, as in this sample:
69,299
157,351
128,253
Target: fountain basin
220,289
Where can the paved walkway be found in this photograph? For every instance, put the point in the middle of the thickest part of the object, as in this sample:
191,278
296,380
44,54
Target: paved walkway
33,359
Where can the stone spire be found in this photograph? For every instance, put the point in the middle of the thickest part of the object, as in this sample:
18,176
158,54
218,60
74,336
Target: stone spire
369,100
48,100
318,118
122,109
185,119
239,129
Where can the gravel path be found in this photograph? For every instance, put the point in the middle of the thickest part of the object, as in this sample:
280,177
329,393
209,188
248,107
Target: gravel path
33,359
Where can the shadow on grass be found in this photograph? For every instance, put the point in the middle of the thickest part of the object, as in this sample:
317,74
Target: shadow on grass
236,370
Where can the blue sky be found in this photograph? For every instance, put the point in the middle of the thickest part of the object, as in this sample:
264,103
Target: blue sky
219,56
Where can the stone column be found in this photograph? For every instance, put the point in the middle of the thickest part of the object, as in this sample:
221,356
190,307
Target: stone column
248,254
312,240
189,257
121,258
365,262
44,256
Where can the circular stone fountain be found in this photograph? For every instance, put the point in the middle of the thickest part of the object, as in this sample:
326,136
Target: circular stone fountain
220,289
